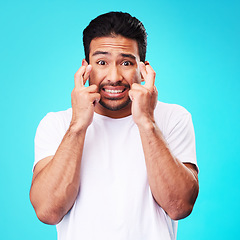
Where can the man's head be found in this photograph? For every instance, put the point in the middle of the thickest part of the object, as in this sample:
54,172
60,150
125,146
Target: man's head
113,24
115,44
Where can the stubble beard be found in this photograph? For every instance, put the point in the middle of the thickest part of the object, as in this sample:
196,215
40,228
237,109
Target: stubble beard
113,105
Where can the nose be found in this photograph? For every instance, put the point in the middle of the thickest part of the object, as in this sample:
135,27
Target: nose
114,74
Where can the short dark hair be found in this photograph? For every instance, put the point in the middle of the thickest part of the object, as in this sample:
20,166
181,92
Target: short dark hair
116,23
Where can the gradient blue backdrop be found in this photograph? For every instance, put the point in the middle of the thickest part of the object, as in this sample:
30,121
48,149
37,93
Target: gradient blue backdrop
194,48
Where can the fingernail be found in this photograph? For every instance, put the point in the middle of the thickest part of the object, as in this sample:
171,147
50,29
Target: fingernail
89,67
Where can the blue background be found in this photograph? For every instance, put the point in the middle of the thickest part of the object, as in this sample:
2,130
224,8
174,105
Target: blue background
194,48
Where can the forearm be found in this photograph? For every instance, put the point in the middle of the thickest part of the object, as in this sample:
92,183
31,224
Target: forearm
55,187
173,185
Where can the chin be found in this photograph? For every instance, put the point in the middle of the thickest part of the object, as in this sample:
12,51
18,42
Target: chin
114,106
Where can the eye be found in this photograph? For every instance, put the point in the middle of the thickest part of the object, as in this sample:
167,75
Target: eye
127,63
101,62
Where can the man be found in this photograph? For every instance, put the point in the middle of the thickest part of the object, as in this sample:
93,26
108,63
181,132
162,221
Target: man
119,164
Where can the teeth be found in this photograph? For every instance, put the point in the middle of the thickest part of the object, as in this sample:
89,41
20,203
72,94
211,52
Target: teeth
113,91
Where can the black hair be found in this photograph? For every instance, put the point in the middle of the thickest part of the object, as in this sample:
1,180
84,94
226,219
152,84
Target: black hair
113,24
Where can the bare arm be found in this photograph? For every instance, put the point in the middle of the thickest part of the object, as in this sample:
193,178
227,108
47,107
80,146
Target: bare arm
174,185
56,178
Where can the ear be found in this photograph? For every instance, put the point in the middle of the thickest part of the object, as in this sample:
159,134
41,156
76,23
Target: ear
84,62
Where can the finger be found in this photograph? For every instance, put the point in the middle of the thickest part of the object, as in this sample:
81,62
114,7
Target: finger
92,88
78,77
149,75
150,80
135,94
139,87
143,71
87,73
130,94
95,97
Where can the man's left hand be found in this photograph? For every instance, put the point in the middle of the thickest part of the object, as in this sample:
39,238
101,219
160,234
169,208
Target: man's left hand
144,97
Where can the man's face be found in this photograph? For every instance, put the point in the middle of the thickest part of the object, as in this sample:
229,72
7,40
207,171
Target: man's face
115,67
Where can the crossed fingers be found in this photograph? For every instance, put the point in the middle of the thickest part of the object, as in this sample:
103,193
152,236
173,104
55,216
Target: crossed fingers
82,75
148,74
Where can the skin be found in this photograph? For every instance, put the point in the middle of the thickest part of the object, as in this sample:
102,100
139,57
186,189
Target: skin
114,61
115,73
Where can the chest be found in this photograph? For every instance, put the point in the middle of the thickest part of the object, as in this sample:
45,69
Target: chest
113,157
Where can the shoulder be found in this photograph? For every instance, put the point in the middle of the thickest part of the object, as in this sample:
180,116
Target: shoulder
168,112
62,116
167,116
168,109
56,120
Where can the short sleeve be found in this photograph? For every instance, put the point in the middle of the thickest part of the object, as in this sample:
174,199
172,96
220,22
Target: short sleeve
181,137
48,137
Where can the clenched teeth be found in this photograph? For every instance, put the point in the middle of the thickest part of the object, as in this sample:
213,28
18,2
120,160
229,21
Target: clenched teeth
113,91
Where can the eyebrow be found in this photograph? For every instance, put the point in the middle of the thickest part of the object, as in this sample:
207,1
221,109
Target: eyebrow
128,56
100,53
107,53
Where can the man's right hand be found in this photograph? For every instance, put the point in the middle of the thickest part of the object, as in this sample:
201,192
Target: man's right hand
54,176
83,99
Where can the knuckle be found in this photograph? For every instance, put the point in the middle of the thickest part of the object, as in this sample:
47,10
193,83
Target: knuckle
134,86
84,94
153,75
94,87
139,94
145,91
73,94
76,91
148,94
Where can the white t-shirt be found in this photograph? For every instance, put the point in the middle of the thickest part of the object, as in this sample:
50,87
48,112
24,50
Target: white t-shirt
115,200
